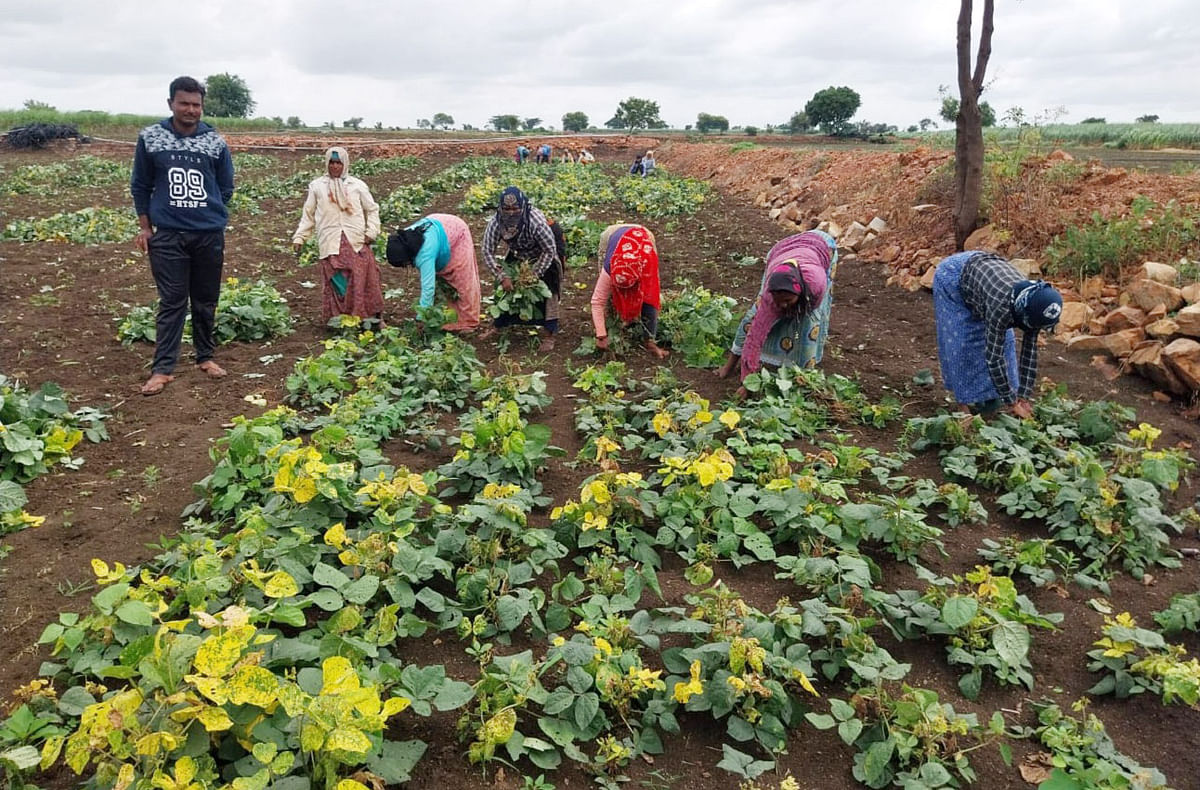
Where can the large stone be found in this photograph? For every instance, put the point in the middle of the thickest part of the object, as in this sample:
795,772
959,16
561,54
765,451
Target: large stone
1123,318
774,213
1160,272
925,208
877,224
1188,320
854,236
889,253
1190,293
1028,267
1092,287
1118,344
1150,363
983,239
1148,294
927,279
1183,355
1075,316
793,212
1163,328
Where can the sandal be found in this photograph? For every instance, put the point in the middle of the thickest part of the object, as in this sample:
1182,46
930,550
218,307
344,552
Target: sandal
155,384
212,369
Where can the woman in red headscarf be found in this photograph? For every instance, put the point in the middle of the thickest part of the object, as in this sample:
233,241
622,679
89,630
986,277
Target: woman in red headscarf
629,275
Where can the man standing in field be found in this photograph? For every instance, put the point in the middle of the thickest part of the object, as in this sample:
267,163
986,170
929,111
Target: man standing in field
182,182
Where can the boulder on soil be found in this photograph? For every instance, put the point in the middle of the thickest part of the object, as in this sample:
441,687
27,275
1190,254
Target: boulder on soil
1188,320
1092,287
927,281
774,213
1183,355
1190,293
1075,316
1160,272
1123,318
830,227
854,236
1149,362
1148,294
1028,267
877,224
983,239
1162,328
1117,344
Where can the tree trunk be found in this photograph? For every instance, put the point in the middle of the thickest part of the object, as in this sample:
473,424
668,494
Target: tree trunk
968,141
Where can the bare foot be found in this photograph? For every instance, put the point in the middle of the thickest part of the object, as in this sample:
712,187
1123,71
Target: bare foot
731,359
547,343
212,369
656,350
487,334
155,383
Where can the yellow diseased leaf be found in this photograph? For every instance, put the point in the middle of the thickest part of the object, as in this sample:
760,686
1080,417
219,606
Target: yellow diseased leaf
806,684
253,686
220,652
312,738
394,705
292,698
336,536
350,784
215,719
155,742
348,739
78,752
124,777
212,688
185,771
281,585
100,568
51,749
338,675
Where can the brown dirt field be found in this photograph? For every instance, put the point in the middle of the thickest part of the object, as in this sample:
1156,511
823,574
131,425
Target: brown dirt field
116,508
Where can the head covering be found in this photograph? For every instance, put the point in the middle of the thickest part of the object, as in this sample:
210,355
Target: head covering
404,244
1036,304
633,267
337,189
787,278
514,224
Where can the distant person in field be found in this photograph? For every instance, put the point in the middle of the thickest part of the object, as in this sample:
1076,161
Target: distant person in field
182,182
543,154
528,236
521,155
789,322
629,277
978,299
636,168
345,218
566,158
440,245
586,157
648,164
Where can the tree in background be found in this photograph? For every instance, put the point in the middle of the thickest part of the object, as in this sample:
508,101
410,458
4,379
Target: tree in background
706,123
832,108
949,111
574,121
926,124
1146,119
294,122
35,105
529,124
227,96
635,113
505,123
968,124
1094,120
443,120
423,123
799,123
352,123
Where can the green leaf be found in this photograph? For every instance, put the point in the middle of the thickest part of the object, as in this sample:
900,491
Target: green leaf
935,774
822,721
743,764
12,496
577,652
959,610
328,600
1060,781
135,613
329,576
74,700
510,611
876,763
586,708
759,544
395,760
1011,640
970,683
454,694
559,700
361,590
741,730
849,730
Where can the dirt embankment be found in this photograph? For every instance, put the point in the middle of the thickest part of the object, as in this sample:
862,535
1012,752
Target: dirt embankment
913,191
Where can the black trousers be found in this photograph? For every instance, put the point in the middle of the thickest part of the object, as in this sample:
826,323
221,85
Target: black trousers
187,267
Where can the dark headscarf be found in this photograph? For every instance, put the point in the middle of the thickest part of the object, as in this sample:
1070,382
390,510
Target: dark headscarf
512,226
1036,304
787,279
404,245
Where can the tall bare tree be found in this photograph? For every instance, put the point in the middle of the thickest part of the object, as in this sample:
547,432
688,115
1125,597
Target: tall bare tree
968,142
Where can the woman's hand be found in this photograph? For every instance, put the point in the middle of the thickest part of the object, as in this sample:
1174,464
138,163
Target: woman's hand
602,343
741,394
1023,409
506,283
297,247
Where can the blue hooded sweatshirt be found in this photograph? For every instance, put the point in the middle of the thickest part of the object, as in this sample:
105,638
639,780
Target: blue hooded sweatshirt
182,182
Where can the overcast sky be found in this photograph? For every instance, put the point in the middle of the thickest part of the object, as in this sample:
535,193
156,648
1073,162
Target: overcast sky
752,61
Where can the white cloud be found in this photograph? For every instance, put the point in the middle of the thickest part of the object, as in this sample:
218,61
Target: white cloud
753,61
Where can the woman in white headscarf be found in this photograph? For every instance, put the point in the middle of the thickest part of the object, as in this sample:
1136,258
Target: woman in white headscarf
345,217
